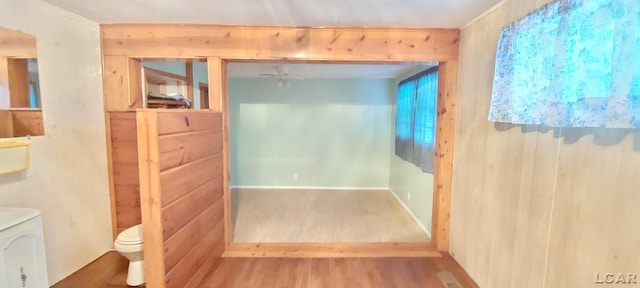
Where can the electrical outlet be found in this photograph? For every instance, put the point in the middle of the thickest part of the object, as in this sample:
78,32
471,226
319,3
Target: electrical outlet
409,196
295,176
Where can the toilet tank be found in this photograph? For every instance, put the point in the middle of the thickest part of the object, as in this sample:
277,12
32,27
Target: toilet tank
22,258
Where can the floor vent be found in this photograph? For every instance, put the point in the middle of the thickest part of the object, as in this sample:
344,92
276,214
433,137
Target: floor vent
449,280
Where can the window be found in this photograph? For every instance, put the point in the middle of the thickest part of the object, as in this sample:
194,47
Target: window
571,63
416,119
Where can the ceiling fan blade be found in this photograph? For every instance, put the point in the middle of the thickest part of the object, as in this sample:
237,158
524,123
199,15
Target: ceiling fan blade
269,75
295,76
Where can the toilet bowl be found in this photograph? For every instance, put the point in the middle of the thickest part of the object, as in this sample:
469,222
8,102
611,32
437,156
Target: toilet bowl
129,244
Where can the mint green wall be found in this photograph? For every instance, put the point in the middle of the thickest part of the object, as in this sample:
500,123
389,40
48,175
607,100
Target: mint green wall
412,186
317,132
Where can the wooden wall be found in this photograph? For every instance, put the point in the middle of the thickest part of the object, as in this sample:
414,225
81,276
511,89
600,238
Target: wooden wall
181,168
124,182
533,206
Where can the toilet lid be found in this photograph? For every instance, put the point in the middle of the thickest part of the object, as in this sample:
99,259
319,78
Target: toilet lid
132,235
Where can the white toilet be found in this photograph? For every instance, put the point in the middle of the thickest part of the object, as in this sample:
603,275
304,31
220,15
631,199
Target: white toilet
129,244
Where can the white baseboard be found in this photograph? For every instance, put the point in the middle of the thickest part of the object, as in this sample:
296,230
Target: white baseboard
411,214
308,187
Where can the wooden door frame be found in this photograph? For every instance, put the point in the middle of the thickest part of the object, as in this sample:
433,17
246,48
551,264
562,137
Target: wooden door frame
220,44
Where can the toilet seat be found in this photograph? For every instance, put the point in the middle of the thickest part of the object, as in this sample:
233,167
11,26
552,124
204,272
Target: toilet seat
130,236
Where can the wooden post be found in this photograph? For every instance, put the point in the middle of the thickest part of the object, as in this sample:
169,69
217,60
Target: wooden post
150,198
443,160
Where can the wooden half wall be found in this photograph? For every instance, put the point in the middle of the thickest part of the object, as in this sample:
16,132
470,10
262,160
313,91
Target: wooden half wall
124,181
181,189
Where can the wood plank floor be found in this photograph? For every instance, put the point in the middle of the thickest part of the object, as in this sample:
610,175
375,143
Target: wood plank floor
335,273
312,216
109,271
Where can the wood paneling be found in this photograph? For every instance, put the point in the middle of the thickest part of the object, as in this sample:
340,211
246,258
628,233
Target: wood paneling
247,42
178,149
125,182
596,220
324,250
185,204
27,122
534,206
16,44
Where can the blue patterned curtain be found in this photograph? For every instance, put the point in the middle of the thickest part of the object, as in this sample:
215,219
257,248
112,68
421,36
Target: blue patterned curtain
571,63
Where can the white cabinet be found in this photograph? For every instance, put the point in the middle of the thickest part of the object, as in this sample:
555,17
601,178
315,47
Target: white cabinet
22,258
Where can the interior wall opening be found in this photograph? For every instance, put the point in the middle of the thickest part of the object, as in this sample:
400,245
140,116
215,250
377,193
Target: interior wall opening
313,154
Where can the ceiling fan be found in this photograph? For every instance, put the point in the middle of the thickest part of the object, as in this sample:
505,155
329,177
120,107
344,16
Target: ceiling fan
282,76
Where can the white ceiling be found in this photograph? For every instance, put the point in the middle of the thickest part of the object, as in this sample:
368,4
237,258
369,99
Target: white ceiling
314,13
332,71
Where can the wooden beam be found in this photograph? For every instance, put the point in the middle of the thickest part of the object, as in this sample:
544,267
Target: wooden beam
5,99
270,43
150,198
189,69
331,250
6,124
443,162
19,83
16,44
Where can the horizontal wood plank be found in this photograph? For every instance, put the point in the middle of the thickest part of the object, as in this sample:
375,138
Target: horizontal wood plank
178,246
179,149
211,246
269,43
179,181
182,122
177,214
328,250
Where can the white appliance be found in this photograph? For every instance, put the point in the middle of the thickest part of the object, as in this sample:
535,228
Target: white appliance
22,258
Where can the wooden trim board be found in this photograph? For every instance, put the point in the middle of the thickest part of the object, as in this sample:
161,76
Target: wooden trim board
150,198
331,250
279,43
